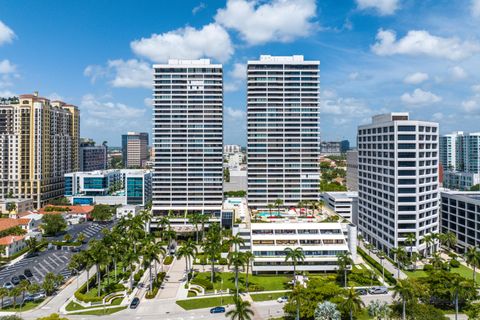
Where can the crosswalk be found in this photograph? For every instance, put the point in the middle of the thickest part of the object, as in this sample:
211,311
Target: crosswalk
92,230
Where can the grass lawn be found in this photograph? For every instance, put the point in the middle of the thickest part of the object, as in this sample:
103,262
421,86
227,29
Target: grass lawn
73,306
363,315
201,303
268,296
25,307
101,311
464,271
263,282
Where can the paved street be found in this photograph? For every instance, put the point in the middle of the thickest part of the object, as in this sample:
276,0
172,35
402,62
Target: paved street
389,267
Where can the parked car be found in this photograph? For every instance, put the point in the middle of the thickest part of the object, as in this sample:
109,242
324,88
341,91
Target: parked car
23,277
134,304
15,280
361,292
217,310
8,285
39,296
378,290
28,273
282,299
28,298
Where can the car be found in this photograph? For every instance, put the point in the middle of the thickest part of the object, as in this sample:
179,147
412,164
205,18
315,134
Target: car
75,249
39,296
378,290
217,310
8,285
23,277
15,280
361,292
134,304
28,273
28,298
282,299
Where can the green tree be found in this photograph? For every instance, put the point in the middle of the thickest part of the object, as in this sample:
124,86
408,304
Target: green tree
278,203
53,224
11,317
436,261
14,293
475,187
67,237
151,253
473,311
344,262
411,240
53,316
236,241
211,247
102,212
295,255
242,310
352,303
249,258
405,291
23,286
187,251
50,283
327,311
3,294
32,244
237,259
195,221
11,206
98,254
448,239
81,237
472,257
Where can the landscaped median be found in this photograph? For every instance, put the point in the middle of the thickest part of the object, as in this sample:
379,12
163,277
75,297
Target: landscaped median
258,297
201,303
373,263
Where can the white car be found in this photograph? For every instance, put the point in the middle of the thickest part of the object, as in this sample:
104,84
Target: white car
282,299
8,285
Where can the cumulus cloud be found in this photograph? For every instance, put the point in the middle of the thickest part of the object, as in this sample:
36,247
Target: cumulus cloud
476,88
421,42
148,102
7,67
239,71
235,114
238,76
344,110
416,78
383,7
353,76
420,97
210,41
475,8
259,21
55,96
8,72
458,73
123,73
470,106
198,8
6,34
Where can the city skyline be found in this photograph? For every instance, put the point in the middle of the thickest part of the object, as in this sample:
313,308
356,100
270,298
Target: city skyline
108,63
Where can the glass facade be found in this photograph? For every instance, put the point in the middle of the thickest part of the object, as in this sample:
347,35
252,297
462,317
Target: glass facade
134,190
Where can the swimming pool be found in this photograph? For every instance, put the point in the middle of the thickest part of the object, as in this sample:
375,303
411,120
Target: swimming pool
268,214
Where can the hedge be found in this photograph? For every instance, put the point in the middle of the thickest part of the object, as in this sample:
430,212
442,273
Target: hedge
137,276
156,285
80,293
206,284
377,266
454,263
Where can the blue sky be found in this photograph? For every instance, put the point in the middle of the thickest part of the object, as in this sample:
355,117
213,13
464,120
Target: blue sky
421,56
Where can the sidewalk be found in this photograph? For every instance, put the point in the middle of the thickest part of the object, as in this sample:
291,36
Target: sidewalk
173,286
389,267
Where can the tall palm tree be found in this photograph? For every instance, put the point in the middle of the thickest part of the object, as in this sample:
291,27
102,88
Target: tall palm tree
237,259
472,257
405,291
399,254
150,255
428,239
436,261
195,221
3,294
99,256
344,262
204,218
236,241
87,261
458,289
382,256
411,240
212,246
130,257
249,258
278,203
242,310
353,303
14,293
187,251
448,239
295,255
270,207
23,286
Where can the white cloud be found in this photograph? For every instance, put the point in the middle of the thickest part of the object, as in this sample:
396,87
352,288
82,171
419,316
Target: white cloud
259,21
353,76
231,86
6,34
476,88
99,112
55,96
416,78
239,71
198,8
383,7
235,114
420,97
476,8
420,42
344,110
148,102
7,67
458,73
186,43
470,106
7,94
123,73
438,116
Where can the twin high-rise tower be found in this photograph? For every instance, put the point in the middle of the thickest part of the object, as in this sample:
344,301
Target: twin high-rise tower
283,133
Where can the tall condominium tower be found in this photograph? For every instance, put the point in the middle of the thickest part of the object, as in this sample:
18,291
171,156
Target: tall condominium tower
283,130
398,181
449,159
134,149
39,143
188,137
92,157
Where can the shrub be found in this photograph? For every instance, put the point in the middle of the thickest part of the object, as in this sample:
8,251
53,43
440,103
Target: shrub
388,277
454,263
256,287
168,260
223,261
427,267
206,284
191,293
137,276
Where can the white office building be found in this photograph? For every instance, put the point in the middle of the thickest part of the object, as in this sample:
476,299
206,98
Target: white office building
352,170
398,180
188,137
321,242
232,148
283,130
345,204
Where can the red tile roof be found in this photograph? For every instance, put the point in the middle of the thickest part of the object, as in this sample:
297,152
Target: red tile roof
73,209
7,223
5,241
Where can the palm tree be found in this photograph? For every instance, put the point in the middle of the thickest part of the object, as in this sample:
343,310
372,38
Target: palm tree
241,311
237,259
405,291
270,207
99,256
130,257
3,293
195,221
150,254
295,255
410,241
436,261
278,203
428,239
382,256
211,247
81,237
472,257
399,254
187,251
23,286
344,262
236,241
14,293
353,303
32,244
414,258
87,261
203,220
448,239
249,258
459,288
11,206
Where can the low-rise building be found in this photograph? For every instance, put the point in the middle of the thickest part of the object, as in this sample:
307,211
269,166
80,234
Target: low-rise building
12,245
19,205
460,180
25,224
111,187
321,242
126,210
345,204
460,214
